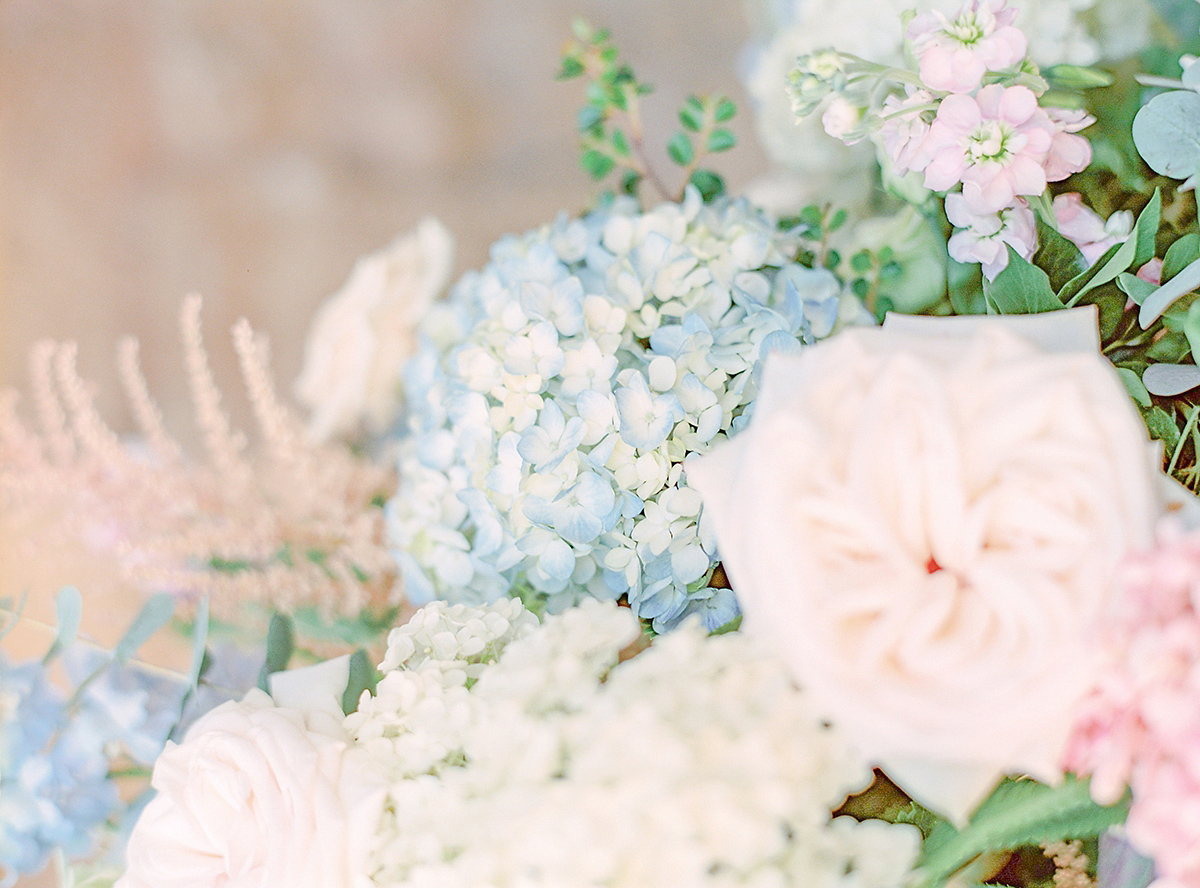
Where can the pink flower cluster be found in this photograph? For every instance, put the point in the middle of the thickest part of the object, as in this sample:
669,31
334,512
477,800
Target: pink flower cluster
1141,726
994,140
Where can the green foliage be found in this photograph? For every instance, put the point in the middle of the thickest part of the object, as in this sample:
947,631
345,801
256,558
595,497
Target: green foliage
363,677
1021,288
281,642
610,123
1019,812
155,613
68,612
1167,134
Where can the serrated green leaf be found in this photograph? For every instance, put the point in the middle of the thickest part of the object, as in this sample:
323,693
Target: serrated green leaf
720,140
1018,812
596,164
281,641
1057,256
1180,254
708,183
680,149
1137,249
68,613
725,110
690,118
1135,387
1020,288
155,613
363,677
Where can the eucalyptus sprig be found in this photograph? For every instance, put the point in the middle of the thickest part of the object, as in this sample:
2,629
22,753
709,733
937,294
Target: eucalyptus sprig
611,126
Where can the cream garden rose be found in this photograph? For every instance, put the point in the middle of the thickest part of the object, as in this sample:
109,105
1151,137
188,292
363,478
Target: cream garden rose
362,335
258,796
925,522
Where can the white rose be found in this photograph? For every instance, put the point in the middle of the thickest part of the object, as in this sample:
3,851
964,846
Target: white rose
362,335
258,795
925,522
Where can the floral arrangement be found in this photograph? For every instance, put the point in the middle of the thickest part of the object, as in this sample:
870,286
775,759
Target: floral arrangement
687,542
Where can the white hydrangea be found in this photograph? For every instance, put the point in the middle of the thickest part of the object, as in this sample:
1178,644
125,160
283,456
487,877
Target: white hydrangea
817,168
695,763
575,373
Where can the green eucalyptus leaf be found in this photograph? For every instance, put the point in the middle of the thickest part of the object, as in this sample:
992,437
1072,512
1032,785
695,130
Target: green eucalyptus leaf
363,677
1020,288
1180,254
680,149
1018,812
720,140
1166,132
1170,380
68,612
281,641
1134,287
1161,299
155,613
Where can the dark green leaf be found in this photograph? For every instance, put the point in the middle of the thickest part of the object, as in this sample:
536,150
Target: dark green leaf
68,612
1161,427
596,163
725,110
1018,812
1180,254
363,677
708,183
1057,256
630,180
720,140
281,641
680,149
155,613
690,118
1020,288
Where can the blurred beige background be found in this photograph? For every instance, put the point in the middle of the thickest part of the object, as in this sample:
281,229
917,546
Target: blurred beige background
251,151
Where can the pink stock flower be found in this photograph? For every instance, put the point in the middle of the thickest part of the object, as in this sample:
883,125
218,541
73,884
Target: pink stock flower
1151,272
1141,724
985,238
954,54
904,129
995,143
1083,227
1068,153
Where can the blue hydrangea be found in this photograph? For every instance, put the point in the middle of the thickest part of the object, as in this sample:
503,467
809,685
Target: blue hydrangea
54,784
559,390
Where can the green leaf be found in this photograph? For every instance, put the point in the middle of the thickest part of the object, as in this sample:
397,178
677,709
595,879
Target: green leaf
1135,387
1161,427
630,180
1134,287
199,641
596,164
68,612
1021,288
363,677
1137,249
720,140
1057,256
691,118
1018,812
837,220
725,110
587,117
155,613
1180,254
1161,299
1166,132
1077,77
620,143
708,183
281,641
571,67
1191,329
680,149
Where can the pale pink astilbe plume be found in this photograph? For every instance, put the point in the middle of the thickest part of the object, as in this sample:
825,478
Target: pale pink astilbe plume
287,524
1141,725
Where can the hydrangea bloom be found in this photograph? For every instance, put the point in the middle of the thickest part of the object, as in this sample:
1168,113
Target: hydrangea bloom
54,785
1140,725
590,357
695,763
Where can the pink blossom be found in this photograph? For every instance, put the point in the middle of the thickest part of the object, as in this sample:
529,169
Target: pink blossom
995,143
1141,724
985,238
1083,227
1151,272
954,54
904,129
1068,153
